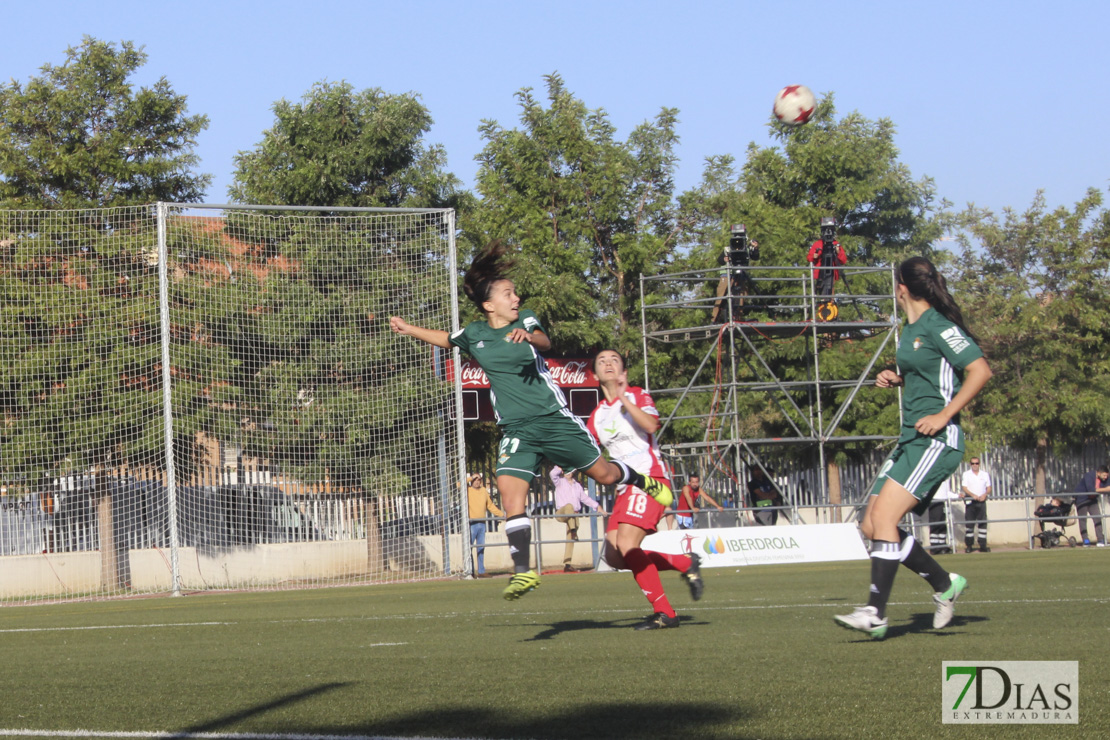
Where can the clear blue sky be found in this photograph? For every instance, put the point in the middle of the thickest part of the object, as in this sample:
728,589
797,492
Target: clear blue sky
994,100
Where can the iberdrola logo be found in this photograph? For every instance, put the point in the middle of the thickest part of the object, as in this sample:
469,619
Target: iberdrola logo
713,547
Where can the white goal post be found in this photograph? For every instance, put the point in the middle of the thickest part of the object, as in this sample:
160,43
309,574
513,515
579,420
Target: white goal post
209,397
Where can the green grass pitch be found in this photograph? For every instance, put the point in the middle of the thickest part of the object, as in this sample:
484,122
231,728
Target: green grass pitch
758,657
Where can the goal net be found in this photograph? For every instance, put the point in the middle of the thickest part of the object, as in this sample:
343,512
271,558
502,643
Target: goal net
201,398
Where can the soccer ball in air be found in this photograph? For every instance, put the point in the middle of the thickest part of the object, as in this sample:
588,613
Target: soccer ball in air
794,105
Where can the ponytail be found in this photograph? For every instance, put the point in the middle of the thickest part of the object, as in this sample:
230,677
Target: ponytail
921,278
487,268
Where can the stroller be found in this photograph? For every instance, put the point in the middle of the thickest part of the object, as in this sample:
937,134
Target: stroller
1055,511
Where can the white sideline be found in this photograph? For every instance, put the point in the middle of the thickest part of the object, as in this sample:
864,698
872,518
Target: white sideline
471,615
113,627
209,735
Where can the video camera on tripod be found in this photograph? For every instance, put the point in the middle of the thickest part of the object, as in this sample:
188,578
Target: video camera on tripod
829,257
741,251
826,255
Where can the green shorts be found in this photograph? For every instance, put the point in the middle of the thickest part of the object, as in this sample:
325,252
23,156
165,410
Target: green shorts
560,437
920,466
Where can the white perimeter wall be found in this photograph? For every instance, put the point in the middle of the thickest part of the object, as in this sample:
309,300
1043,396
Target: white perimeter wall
318,563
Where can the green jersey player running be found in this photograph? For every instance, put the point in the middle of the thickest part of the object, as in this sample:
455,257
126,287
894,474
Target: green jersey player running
530,408
940,368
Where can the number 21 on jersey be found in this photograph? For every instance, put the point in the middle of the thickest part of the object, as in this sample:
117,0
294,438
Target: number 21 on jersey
508,447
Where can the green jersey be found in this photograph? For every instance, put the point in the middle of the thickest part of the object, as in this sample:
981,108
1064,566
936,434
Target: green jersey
521,386
932,355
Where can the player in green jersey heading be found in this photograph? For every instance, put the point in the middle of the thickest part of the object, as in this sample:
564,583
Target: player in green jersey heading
531,409
940,368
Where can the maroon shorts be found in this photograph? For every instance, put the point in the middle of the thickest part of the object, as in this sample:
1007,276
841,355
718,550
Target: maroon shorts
637,508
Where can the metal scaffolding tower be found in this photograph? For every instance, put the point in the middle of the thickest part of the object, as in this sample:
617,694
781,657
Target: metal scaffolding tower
766,330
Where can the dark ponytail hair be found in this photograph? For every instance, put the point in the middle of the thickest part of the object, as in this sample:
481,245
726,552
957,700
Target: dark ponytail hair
921,278
487,268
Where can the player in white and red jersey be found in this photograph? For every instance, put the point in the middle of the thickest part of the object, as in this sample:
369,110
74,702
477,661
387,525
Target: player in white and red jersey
625,423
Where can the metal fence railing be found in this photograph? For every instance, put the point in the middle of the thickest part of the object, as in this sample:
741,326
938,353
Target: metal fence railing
1011,521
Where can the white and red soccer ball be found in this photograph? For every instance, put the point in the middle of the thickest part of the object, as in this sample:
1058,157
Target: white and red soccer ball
794,105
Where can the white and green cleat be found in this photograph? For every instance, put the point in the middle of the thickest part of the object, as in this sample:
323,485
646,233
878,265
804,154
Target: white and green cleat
946,601
864,619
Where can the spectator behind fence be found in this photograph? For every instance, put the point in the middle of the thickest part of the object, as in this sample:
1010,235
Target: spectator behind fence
478,503
570,496
938,520
1086,506
688,502
763,495
975,486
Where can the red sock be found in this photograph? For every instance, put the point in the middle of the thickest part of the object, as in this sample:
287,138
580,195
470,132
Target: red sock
647,577
664,561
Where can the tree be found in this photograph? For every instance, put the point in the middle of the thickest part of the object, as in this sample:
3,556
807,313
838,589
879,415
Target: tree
293,360
316,337
80,136
339,147
80,386
1034,286
588,213
846,168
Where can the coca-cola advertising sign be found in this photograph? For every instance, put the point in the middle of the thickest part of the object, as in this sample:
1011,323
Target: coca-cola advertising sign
568,372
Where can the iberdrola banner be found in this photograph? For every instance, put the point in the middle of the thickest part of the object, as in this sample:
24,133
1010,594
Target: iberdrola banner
806,543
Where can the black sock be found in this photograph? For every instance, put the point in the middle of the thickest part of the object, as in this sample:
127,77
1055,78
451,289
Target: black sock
518,531
884,566
922,563
628,475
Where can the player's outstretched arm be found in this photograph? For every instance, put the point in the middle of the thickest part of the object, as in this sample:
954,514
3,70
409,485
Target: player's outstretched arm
435,337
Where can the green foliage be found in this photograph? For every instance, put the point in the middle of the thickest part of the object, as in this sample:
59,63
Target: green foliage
80,135
846,168
298,367
1034,287
587,212
341,147
80,379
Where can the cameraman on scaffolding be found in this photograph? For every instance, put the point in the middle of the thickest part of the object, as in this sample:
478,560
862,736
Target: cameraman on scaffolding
735,283
826,253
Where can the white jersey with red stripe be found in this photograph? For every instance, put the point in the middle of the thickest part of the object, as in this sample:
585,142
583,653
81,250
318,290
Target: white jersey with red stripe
611,426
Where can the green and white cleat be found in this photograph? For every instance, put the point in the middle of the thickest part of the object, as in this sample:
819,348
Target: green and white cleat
946,601
864,619
521,584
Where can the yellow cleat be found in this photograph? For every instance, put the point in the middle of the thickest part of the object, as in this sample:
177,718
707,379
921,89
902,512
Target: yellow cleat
658,491
521,584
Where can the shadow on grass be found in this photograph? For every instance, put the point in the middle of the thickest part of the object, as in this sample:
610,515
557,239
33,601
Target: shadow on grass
621,720
923,623
236,717
575,625
618,720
